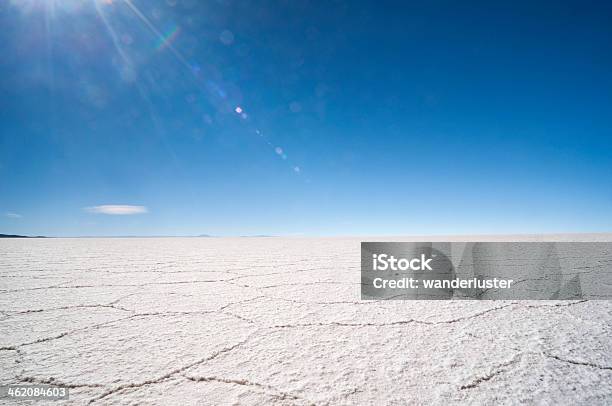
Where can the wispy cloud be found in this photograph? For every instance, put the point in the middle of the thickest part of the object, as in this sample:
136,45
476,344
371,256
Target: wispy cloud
117,209
13,215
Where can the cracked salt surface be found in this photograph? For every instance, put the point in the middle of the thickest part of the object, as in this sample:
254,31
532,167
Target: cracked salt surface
278,321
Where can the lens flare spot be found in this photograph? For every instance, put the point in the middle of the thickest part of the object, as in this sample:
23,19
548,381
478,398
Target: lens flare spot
226,37
295,107
168,38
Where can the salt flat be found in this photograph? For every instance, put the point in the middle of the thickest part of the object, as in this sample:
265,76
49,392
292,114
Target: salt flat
279,321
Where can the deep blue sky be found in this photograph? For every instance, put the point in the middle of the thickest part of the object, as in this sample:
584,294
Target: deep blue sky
428,117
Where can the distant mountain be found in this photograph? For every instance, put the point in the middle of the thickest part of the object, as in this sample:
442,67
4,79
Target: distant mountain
20,236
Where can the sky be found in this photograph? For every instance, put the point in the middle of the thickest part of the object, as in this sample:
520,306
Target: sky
230,117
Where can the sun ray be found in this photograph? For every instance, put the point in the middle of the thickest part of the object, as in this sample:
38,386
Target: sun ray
141,90
158,33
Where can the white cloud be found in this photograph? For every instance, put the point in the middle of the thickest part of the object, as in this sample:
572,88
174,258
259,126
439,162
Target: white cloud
117,209
13,215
